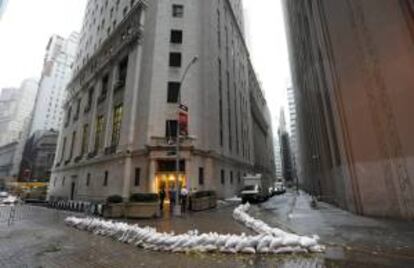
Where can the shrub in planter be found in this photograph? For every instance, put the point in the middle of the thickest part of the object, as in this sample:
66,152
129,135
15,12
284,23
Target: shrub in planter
114,199
212,199
144,198
143,205
203,200
114,208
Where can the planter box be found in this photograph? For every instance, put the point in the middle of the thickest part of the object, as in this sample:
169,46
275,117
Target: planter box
202,203
114,210
142,210
212,201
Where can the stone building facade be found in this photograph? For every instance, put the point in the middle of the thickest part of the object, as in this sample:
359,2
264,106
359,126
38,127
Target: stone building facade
352,63
121,113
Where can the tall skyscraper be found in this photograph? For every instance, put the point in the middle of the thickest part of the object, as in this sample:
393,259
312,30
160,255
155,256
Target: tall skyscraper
120,122
353,85
292,119
285,150
278,157
16,107
59,57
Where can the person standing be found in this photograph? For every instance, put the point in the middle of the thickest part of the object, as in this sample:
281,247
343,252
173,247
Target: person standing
162,197
183,197
172,198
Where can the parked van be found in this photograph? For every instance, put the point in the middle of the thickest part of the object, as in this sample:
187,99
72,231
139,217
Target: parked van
253,190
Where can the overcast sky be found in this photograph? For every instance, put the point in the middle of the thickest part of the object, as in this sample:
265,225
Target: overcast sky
26,26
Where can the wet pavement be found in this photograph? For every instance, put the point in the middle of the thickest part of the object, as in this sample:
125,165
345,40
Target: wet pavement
42,240
351,240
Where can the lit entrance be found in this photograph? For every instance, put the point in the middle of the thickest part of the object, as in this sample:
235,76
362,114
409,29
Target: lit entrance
165,177
167,181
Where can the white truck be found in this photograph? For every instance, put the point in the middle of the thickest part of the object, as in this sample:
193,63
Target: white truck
253,190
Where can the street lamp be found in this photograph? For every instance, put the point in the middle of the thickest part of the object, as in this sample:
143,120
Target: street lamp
177,207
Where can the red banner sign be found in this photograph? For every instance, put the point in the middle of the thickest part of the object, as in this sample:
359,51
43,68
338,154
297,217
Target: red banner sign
183,121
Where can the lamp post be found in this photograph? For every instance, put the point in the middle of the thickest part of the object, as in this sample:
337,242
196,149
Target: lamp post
177,207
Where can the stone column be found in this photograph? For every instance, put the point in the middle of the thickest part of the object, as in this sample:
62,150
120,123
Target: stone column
151,176
134,87
109,111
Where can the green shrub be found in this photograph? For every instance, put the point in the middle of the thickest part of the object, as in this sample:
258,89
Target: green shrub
211,193
114,199
144,198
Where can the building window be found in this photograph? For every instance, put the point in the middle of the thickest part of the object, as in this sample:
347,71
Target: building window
178,11
88,179
171,128
170,165
137,176
77,110
175,59
72,145
116,125
99,133
85,137
105,82
223,179
54,181
105,183
90,99
231,177
62,156
173,91
122,72
230,134
218,29
238,178
63,181
176,37
220,103
201,176
68,115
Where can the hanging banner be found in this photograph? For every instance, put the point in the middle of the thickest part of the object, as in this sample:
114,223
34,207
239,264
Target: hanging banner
183,120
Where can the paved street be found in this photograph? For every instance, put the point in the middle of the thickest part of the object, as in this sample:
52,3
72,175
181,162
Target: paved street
42,240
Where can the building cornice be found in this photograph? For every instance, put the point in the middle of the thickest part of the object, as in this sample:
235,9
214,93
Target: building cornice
128,33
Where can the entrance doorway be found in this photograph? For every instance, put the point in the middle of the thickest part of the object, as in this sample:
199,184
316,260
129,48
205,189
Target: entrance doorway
166,181
73,187
72,190
165,177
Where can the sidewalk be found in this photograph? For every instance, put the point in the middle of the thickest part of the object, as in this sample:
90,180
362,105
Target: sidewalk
386,242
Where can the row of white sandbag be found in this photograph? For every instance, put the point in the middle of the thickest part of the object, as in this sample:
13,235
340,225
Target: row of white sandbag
149,238
240,214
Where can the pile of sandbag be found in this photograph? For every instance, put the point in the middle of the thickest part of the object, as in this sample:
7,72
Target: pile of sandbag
287,239
268,240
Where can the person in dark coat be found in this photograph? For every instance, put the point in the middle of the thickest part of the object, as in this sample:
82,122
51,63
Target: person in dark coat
172,198
183,197
162,197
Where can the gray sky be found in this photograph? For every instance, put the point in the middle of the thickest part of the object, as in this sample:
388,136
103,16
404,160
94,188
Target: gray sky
268,50
27,25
